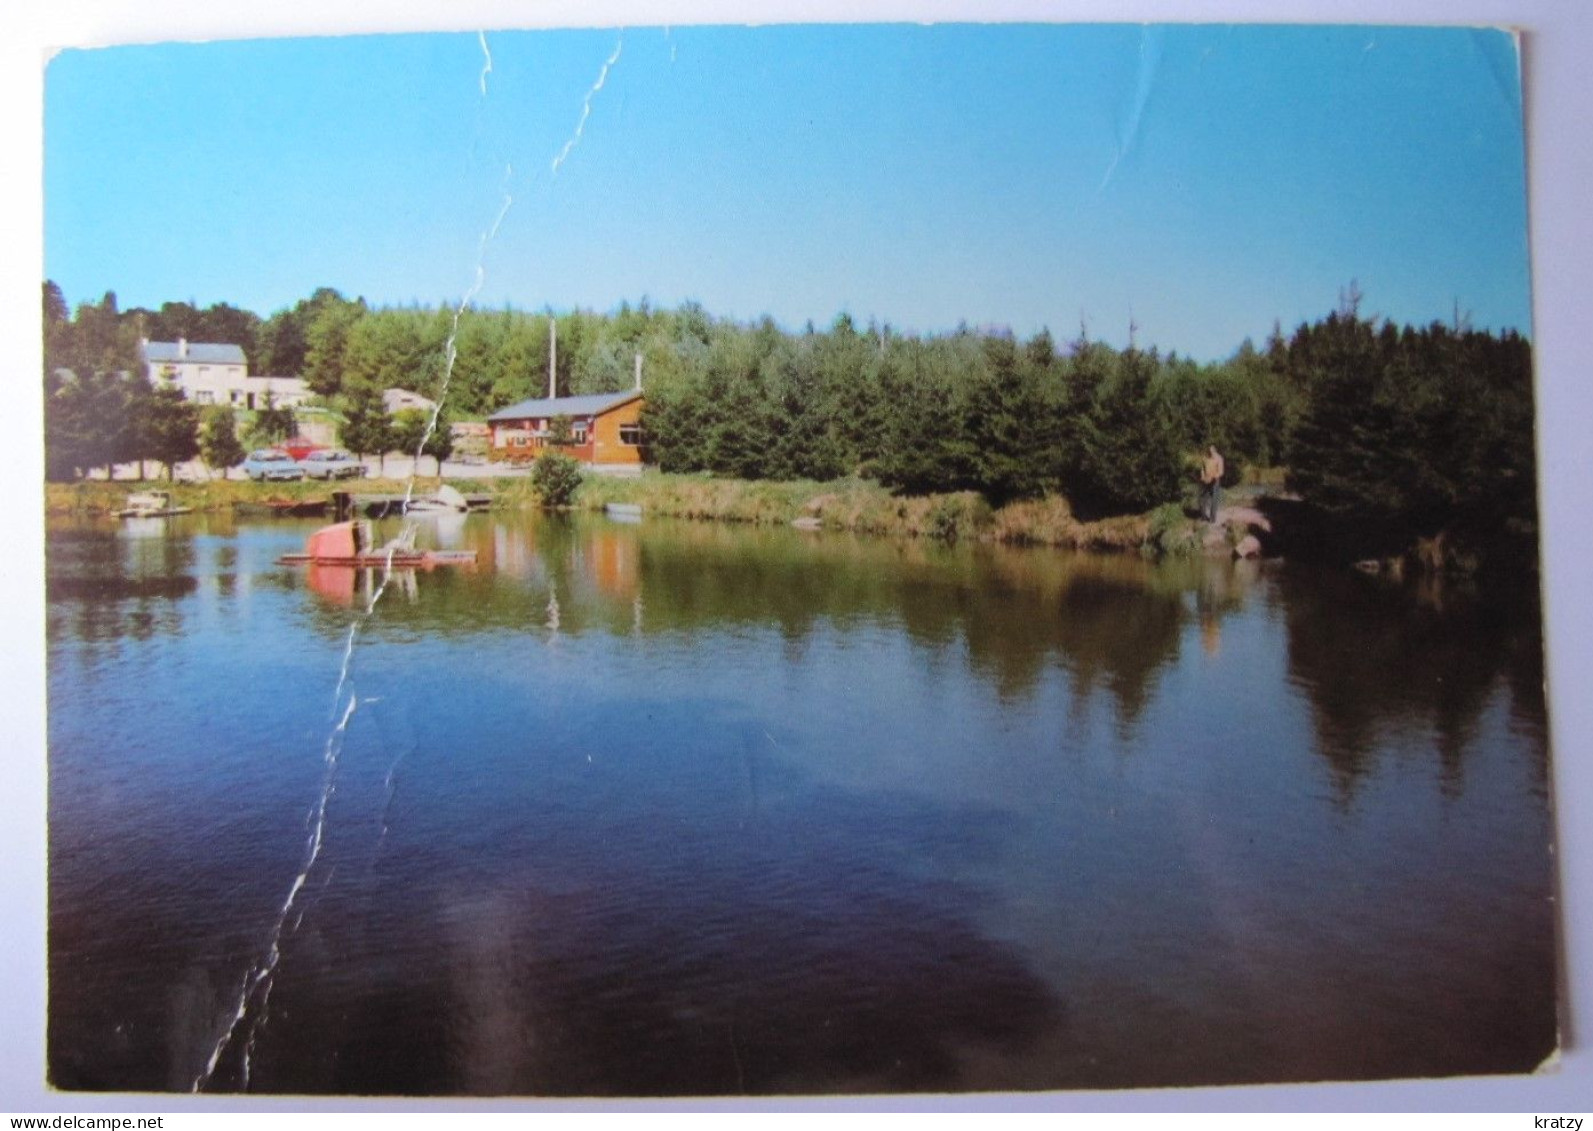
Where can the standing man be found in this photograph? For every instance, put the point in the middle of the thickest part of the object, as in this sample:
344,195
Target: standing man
1211,473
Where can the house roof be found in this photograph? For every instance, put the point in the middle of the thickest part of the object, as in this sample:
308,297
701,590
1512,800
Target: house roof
399,398
205,353
589,405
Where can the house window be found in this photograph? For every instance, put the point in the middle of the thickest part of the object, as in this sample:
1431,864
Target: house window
205,396
631,434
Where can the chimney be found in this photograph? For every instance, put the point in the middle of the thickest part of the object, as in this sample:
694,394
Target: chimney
553,357
182,348
638,371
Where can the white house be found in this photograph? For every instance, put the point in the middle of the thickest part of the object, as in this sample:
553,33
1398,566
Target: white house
214,373
395,400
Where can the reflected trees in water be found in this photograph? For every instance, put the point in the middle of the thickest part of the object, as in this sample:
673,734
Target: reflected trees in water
1374,658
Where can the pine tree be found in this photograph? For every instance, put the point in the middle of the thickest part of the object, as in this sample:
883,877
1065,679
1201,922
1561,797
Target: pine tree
219,446
172,425
1004,426
1133,457
367,428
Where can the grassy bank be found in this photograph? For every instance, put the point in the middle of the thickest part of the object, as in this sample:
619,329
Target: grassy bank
854,505
99,497
864,507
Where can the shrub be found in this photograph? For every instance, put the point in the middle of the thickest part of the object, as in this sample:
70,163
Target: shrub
1169,533
556,478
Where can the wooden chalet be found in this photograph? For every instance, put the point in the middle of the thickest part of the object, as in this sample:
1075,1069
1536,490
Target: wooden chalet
605,428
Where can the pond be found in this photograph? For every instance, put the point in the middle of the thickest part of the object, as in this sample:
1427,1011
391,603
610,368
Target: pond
673,808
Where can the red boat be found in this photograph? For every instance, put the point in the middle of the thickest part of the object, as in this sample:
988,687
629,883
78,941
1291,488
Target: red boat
350,544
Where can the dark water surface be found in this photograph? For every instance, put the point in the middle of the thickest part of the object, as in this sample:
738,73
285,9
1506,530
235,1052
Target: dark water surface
679,808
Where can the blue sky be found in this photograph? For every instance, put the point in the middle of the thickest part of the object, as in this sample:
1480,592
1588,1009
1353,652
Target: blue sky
1202,181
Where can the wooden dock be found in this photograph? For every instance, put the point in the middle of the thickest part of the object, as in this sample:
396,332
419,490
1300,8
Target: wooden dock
348,504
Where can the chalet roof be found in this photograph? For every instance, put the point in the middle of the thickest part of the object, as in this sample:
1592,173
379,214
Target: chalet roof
205,353
590,405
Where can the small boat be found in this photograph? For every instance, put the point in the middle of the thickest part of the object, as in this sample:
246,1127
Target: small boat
623,512
149,504
351,544
446,500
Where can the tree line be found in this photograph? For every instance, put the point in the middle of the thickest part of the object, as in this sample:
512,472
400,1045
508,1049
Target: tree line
101,409
1406,431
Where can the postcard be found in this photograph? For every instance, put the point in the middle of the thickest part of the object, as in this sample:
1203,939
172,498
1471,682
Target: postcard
793,560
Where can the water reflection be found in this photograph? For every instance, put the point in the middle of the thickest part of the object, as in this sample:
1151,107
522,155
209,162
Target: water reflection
1363,652
1112,622
674,808
1376,659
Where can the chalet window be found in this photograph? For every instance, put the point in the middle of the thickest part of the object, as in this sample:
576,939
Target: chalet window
631,434
205,396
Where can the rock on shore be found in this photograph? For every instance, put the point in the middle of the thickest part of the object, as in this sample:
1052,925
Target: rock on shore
1236,531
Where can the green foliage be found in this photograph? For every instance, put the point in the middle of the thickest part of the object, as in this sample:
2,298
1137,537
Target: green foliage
136,436
56,312
956,516
326,341
556,478
409,429
218,438
394,349
220,322
273,423
415,432
927,446
1005,426
560,434
1398,431
98,341
367,429
1170,533
1130,450
171,428
85,425
282,341
1414,432
439,441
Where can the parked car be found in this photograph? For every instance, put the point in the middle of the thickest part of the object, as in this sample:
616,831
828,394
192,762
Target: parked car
269,464
329,463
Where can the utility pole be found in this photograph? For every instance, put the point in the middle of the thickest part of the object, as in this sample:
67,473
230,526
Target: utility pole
553,357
